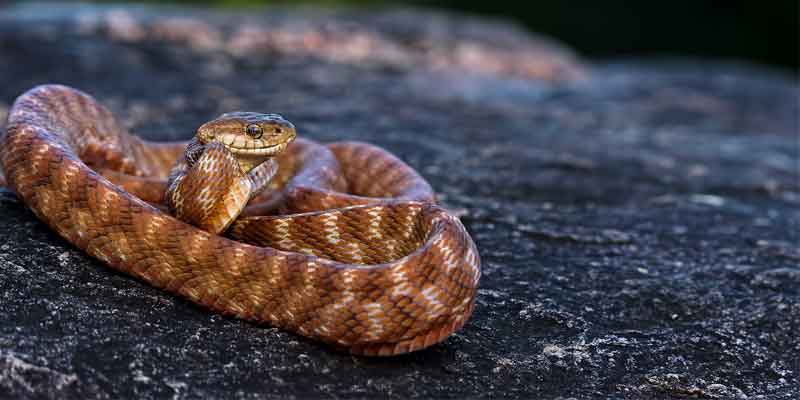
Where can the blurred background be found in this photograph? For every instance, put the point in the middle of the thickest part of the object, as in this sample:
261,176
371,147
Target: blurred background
765,32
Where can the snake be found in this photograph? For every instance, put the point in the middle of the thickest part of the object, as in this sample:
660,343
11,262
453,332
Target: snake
341,243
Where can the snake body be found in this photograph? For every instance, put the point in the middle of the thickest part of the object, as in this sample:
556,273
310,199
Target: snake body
344,245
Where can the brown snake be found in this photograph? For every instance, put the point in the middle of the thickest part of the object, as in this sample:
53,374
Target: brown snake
345,245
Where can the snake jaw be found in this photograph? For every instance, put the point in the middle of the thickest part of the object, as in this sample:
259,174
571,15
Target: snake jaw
249,159
255,147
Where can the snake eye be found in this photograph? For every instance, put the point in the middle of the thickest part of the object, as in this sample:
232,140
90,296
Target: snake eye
254,131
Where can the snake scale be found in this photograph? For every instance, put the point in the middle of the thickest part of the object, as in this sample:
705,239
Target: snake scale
341,243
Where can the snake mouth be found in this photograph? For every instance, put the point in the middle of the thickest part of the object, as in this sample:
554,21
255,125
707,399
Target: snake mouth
258,151
240,145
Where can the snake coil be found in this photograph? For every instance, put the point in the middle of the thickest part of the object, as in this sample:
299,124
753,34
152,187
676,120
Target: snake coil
347,246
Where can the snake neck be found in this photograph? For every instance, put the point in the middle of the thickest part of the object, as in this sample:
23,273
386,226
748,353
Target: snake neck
247,163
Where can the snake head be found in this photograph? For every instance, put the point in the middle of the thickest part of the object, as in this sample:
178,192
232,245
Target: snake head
249,134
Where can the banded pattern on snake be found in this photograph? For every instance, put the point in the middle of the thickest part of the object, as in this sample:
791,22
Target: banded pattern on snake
344,245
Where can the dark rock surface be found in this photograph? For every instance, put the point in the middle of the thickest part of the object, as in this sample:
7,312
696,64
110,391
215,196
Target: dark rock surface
637,220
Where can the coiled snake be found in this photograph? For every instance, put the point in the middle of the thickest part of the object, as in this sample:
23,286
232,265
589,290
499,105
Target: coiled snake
344,245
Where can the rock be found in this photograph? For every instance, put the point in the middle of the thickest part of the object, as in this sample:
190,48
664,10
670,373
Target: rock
637,219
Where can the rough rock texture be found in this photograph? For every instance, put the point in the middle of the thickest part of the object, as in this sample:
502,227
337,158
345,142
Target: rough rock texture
637,220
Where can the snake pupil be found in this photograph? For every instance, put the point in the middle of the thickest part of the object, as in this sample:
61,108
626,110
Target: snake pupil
253,131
